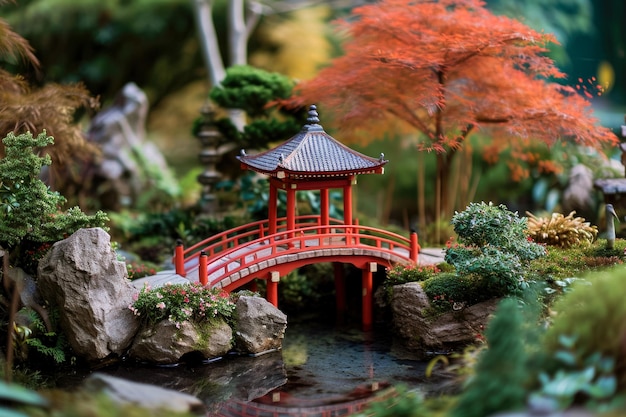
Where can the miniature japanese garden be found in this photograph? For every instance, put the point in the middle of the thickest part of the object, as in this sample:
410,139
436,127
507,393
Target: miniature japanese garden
419,214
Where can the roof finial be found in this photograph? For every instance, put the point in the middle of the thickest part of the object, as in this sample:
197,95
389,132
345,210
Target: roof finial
313,116
313,120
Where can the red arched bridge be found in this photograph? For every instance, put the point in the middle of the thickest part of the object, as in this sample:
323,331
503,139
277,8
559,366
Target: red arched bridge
236,257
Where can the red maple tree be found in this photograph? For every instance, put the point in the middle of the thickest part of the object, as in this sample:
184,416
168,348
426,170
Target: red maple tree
447,69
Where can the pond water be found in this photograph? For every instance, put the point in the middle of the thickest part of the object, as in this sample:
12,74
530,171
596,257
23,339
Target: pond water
322,370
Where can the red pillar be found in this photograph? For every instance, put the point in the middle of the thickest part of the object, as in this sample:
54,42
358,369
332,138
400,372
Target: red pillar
291,209
368,299
347,204
272,208
271,293
340,291
202,269
415,247
179,258
324,207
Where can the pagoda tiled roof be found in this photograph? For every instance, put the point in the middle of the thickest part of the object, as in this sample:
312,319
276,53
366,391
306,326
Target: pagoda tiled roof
312,153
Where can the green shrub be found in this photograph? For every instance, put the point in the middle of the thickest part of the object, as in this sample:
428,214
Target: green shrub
492,249
595,311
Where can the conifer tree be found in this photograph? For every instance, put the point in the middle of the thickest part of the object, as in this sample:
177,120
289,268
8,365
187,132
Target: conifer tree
501,373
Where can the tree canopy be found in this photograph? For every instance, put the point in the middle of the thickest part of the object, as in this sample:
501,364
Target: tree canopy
447,69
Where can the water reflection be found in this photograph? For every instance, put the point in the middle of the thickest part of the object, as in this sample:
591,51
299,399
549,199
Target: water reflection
281,404
321,371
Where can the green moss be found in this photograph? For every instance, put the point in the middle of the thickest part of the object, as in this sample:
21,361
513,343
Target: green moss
446,289
575,261
205,330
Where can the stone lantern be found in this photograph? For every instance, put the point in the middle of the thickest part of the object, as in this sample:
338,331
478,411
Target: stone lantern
210,139
614,189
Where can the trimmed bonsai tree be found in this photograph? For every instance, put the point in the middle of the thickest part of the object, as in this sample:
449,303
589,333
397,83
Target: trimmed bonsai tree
492,248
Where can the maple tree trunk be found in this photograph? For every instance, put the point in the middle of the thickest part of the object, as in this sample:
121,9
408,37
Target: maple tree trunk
421,192
443,203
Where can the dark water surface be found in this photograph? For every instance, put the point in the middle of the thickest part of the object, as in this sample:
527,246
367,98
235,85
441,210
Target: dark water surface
322,369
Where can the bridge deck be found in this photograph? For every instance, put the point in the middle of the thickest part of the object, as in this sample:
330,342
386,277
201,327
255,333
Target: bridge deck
427,256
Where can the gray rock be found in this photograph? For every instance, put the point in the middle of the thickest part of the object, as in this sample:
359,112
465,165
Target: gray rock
83,278
425,333
164,343
150,397
260,326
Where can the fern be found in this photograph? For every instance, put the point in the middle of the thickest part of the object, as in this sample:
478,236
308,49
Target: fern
41,334
55,352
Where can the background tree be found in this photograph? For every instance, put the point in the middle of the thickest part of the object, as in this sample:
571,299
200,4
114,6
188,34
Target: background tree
52,107
447,69
107,43
252,90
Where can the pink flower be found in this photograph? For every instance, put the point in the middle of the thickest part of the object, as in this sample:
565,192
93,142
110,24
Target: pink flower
161,305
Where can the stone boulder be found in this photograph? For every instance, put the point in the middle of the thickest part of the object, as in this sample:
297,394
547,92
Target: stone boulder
150,397
260,326
424,333
165,343
82,276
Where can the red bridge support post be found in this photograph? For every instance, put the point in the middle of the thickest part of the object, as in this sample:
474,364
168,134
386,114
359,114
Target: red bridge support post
202,269
415,247
271,294
179,258
368,299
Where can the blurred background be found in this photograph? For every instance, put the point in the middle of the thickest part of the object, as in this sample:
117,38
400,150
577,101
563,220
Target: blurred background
155,44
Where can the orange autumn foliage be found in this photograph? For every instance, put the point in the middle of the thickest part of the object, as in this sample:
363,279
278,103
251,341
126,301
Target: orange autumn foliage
446,69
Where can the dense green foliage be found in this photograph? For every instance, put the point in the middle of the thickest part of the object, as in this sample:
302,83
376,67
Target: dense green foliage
153,236
29,210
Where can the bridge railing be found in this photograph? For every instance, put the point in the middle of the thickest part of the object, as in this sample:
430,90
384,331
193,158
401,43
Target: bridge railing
215,245
245,256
